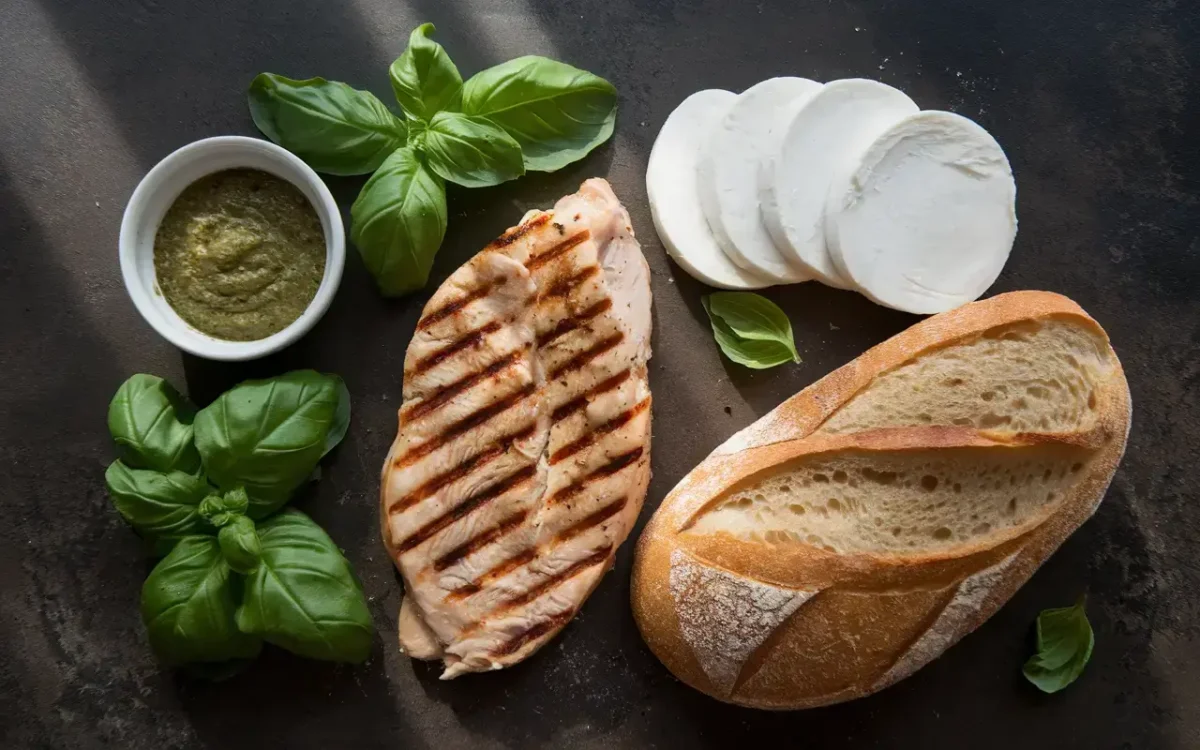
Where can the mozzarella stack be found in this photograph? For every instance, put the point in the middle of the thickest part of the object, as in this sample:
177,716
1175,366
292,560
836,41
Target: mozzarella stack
847,183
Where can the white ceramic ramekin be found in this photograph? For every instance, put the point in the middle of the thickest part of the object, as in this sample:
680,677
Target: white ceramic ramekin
159,189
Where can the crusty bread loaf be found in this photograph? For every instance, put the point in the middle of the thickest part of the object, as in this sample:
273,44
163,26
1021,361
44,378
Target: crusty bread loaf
859,530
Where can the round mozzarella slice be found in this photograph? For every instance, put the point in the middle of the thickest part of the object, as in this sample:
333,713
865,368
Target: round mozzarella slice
728,174
824,138
674,201
926,219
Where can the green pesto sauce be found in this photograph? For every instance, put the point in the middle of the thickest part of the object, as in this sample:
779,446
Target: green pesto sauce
240,254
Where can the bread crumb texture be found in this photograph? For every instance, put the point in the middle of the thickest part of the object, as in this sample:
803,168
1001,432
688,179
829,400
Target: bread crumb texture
1024,377
900,502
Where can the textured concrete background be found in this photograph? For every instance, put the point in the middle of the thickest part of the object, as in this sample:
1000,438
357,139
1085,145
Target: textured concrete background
1096,104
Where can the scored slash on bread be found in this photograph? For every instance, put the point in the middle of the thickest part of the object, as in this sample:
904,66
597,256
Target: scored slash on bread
522,456
853,534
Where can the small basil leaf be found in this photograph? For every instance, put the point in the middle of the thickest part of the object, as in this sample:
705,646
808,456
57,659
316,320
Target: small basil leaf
303,596
423,77
188,605
162,507
557,113
335,128
750,329
240,545
471,151
268,435
341,422
222,510
152,425
1064,646
398,222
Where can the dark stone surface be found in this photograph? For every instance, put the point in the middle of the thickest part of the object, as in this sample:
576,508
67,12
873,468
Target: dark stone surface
1097,105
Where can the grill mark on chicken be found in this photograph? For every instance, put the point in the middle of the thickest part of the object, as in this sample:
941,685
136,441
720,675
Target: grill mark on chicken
533,632
565,285
469,422
592,520
589,438
523,557
518,232
472,339
558,250
581,401
490,453
478,500
614,465
575,321
587,355
450,390
479,541
597,557
451,308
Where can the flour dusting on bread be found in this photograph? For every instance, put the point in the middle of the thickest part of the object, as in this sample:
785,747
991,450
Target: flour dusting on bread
726,617
952,624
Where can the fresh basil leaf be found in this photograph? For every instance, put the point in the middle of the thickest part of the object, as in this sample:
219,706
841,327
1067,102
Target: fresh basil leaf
398,222
268,435
1064,646
162,506
188,605
152,425
471,151
303,596
750,329
341,422
335,128
240,545
557,113
222,510
425,80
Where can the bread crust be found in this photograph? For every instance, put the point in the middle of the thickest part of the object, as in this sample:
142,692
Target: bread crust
864,621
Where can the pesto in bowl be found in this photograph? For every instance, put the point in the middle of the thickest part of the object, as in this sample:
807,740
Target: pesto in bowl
240,254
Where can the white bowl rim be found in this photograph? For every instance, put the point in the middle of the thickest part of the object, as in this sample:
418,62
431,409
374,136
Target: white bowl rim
133,243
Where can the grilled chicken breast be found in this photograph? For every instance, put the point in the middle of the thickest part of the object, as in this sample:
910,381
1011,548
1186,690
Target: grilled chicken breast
523,452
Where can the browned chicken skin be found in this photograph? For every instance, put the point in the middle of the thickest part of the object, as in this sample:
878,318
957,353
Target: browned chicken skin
523,452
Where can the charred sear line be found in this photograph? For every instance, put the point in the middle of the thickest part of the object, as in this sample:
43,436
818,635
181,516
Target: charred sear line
470,422
521,558
479,541
451,308
483,457
615,464
450,390
590,438
597,557
592,520
558,250
580,402
533,632
570,323
565,285
478,500
587,355
518,232
471,340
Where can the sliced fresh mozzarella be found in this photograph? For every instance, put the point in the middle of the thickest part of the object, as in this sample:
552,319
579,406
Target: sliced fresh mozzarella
728,174
674,201
926,219
824,138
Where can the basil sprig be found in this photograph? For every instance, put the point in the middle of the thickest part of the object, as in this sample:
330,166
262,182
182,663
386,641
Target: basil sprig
236,573
530,113
751,329
1064,646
